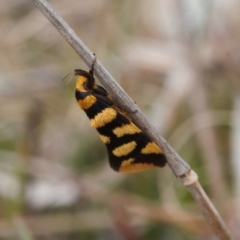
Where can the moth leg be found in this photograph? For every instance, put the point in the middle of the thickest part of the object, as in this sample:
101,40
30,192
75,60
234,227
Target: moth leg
93,63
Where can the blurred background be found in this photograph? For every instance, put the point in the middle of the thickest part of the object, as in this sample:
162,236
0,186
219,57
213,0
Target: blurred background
179,60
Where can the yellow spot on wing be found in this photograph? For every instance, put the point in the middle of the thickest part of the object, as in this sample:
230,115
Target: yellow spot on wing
128,166
151,148
87,102
104,139
104,117
79,85
124,149
130,128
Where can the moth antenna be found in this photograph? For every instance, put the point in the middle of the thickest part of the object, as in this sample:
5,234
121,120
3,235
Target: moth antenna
68,79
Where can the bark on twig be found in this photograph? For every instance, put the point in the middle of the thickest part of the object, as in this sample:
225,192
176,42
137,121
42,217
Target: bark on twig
180,168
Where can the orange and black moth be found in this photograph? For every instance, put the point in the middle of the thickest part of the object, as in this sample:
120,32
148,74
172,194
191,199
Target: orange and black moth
129,148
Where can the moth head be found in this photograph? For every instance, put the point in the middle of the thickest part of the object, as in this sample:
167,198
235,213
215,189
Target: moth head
85,81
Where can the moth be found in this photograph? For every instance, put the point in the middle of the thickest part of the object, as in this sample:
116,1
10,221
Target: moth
129,148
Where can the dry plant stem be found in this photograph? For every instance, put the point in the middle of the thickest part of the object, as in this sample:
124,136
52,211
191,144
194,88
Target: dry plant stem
208,210
179,167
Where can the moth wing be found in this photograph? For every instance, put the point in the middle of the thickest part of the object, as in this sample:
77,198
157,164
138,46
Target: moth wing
129,149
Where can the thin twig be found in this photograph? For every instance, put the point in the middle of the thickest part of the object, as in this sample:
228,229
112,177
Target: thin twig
180,168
